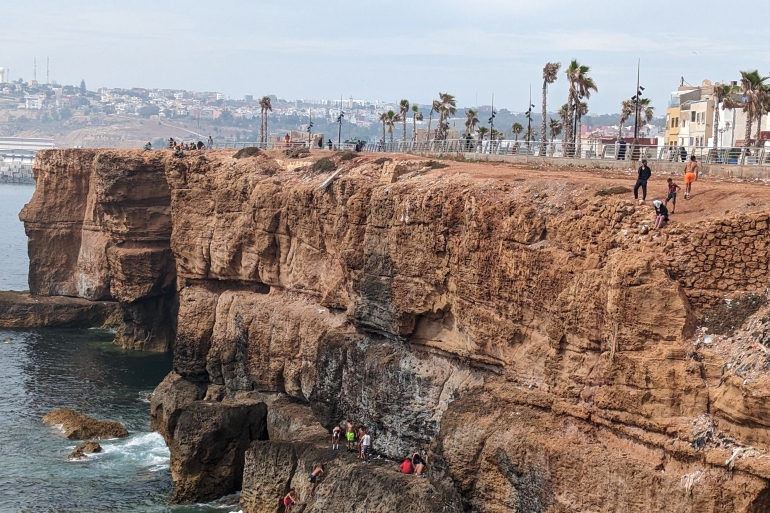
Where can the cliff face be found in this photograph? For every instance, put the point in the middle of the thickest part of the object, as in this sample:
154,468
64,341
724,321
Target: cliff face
99,226
539,341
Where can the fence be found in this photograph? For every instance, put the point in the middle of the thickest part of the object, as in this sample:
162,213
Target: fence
281,145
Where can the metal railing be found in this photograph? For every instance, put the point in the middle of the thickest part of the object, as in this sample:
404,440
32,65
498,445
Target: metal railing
591,150
281,145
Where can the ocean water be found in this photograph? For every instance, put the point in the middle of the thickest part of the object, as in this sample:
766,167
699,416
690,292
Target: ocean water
43,370
13,248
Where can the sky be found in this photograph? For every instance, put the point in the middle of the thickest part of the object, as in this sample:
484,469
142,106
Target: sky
386,50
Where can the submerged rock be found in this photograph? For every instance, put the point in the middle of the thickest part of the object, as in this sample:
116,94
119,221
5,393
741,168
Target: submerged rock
84,448
78,426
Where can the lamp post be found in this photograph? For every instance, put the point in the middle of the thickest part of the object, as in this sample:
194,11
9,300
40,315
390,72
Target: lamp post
491,123
529,119
310,127
636,99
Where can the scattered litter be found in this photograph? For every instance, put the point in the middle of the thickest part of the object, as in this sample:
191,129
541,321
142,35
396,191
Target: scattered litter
689,480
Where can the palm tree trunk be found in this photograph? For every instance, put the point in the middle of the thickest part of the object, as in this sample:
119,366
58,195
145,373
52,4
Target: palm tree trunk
749,121
543,126
404,122
759,126
568,129
430,121
715,128
383,132
578,139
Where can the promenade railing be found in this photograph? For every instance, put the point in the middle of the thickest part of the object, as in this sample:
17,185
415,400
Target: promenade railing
280,145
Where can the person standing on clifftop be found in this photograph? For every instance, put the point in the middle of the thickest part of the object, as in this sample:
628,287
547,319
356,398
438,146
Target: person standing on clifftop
366,446
210,143
690,175
672,188
641,180
336,438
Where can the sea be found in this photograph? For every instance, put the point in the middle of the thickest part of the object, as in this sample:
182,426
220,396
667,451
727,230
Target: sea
45,369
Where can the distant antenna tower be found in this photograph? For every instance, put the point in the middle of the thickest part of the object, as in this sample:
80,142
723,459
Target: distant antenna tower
47,69
34,71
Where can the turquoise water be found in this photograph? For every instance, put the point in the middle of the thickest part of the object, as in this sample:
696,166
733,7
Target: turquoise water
43,370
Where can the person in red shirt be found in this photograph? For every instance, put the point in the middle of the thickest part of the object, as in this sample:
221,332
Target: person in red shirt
672,188
290,500
407,467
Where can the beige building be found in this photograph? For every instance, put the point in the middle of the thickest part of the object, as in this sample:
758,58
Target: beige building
690,116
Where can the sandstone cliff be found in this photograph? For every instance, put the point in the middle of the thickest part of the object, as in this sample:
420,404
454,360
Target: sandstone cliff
537,339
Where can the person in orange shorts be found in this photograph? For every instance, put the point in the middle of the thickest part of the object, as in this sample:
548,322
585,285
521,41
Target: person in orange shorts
691,172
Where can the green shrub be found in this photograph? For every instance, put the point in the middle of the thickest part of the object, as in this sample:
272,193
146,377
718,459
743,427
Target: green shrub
612,191
346,155
324,165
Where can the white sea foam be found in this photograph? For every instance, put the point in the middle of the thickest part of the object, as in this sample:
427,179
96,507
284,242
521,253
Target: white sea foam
145,449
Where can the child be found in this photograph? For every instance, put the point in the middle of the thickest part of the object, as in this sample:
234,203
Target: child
290,500
661,214
317,471
336,438
672,188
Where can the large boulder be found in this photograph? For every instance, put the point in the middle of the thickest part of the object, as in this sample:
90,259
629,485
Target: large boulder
78,426
84,448
208,446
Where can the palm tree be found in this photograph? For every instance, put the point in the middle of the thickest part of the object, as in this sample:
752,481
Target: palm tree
482,131
391,118
265,105
581,111
763,106
752,87
516,129
723,93
580,86
383,119
550,74
434,108
471,120
645,112
447,107
416,116
554,127
627,109
403,107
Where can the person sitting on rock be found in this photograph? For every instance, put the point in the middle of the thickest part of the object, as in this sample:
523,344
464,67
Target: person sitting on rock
406,466
290,500
317,471
336,438
661,214
178,152
148,146
350,435
419,464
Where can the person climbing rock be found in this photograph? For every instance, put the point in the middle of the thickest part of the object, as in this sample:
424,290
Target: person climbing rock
672,188
661,214
290,500
317,471
406,467
641,180
336,432
350,435
691,172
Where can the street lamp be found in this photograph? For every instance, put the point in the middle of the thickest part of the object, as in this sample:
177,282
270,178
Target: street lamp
339,128
310,127
492,123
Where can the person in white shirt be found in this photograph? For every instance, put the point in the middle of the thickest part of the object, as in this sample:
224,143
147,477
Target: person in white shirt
366,446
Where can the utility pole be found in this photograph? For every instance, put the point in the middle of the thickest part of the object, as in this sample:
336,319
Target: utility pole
529,118
309,126
339,127
636,99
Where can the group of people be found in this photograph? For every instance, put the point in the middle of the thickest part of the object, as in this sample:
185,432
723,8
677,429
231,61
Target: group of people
415,465
691,172
359,440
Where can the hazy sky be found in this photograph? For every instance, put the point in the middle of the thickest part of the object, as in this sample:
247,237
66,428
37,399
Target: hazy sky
386,50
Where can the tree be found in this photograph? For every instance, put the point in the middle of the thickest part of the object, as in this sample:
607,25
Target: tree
471,120
550,74
582,110
516,129
554,127
752,87
434,108
482,131
265,106
627,109
645,112
416,116
403,107
391,118
447,107
148,110
383,119
580,86
83,89
723,93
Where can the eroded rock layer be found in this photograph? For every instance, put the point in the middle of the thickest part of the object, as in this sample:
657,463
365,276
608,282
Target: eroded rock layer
535,338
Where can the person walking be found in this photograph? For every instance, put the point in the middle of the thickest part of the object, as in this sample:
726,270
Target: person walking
672,188
691,172
641,180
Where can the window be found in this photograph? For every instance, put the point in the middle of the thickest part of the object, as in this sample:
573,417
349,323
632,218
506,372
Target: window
691,141
692,117
684,123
